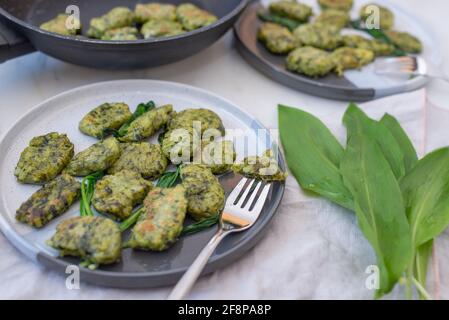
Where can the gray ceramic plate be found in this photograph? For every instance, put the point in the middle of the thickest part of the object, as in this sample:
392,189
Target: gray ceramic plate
355,85
137,269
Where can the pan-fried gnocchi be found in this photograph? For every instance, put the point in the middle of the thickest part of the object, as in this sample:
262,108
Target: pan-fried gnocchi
147,21
162,222
98,157
44,158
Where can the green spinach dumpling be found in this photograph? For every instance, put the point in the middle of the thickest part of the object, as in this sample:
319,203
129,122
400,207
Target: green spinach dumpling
44,158
142,157
108,116
97,157
206,196
49,202
96,240
192,17
119,193
162,222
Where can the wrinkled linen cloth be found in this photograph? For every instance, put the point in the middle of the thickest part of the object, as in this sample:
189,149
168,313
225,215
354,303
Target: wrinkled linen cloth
312,250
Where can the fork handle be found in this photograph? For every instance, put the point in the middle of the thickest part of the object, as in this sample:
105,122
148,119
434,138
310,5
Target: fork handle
189,278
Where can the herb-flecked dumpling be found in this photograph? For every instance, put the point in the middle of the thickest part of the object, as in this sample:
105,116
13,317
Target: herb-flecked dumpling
97,157
142,157
205,194
205,119
379,47
148,124
187,130
310,61
180,145
162,222
291,9
386,16
121,34
405,41
49,202
59,25
343,5
192,17
44,158
337,18
161,28
96,240
108,116
155,11
119,193
318,35
118,17
351,58
218,156
276,38
263,167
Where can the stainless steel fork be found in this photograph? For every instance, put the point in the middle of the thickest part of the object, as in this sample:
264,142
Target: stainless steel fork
238,215
414,66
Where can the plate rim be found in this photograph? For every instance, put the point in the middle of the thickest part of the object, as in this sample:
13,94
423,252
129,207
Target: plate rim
100,277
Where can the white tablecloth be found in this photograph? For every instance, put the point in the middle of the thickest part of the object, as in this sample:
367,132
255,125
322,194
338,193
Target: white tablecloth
313,249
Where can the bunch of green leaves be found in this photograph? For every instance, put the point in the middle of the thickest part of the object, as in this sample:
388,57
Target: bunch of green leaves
378,34
141,109
401,204
267,16
87,192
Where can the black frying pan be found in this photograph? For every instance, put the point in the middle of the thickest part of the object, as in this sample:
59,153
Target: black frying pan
20,34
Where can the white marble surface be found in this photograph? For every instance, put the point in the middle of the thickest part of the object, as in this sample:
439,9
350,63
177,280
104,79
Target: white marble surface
26,81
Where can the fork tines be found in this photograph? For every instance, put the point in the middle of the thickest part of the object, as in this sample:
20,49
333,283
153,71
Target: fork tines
406,64
244,194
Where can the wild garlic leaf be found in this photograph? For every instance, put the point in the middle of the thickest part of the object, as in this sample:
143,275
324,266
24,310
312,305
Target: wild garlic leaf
313,155
169,179
379,207
426,195
408,150
200,225
356,121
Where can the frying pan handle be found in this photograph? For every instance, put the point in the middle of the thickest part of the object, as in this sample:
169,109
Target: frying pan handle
12,43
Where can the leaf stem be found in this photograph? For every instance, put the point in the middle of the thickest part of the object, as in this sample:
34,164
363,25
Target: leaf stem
87,192
85,209
409,281
421,289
